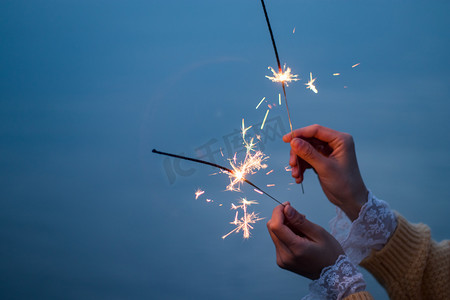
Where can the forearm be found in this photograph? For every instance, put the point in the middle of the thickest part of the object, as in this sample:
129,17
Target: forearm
411,265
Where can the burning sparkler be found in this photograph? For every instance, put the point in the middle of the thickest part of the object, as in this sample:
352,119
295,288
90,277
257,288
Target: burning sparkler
230,172
243,223
284,76
253,161
310,85
279,72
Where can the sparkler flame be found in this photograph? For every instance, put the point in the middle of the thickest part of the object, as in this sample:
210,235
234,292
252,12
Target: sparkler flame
243,223
253,161
284,76
310,85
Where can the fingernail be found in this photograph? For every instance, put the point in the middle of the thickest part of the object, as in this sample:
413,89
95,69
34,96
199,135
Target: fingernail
290,212
296,143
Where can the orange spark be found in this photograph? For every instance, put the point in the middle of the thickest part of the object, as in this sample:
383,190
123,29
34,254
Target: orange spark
269,172
355,65
258,191
336,74
270,185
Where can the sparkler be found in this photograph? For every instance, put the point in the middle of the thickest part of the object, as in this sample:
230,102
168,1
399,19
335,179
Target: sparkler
232,173
280,71
243,223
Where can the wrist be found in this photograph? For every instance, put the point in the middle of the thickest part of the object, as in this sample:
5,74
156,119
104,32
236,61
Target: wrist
353,207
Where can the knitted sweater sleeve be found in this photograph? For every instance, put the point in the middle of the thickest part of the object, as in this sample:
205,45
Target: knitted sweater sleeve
411,265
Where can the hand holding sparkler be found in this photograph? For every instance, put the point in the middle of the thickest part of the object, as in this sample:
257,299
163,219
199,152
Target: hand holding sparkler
332,155
301,246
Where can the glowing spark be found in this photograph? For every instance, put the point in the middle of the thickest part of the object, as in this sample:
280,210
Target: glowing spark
243,223
288,169
260,102
269,172
221,152
355,65
258,191
253,161
310,85
244,130
220,204
198,193
264,121
283,76
269,106
336,74
209,200
258,137
293,31
269,185
279,99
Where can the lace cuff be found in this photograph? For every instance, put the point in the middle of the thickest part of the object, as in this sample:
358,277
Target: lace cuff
371,230
337,281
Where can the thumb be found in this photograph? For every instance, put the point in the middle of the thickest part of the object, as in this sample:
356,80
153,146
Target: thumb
307,152
298,223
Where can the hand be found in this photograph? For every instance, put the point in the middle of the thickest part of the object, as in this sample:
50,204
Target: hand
332,155
301,246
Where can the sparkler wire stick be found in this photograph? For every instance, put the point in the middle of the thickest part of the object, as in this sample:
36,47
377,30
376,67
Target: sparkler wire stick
279,71
216,166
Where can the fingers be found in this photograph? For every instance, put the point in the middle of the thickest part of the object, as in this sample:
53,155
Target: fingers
278,228
314,131
300,225
308,153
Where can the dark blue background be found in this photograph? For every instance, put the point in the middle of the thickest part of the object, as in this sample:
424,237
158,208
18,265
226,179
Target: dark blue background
88,88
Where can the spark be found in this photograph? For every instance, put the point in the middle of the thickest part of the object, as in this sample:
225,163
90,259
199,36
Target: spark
209,200
260,102
355,65
259,192
269,172
270,185
198,193
284,76
279,99
243,223
253,161
310,85
288,169
336,74
293,31
264,121
270,106
244,130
